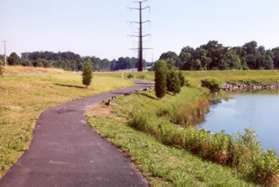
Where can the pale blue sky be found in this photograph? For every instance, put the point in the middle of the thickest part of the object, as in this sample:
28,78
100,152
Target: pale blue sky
101,28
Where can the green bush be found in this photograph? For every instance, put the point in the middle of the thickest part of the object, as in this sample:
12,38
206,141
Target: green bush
212,84
1,68
242,152
173,82
267,169
87,73
181,79
130,76
160,79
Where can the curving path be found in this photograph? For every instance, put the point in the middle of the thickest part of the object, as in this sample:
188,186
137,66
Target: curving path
65,151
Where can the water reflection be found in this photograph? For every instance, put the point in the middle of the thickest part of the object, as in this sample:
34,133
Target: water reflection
258,112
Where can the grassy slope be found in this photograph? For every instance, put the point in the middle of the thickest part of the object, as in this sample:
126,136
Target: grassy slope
231,75
161,164
26,92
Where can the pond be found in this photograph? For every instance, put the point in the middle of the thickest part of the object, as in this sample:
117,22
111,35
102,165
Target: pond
258,112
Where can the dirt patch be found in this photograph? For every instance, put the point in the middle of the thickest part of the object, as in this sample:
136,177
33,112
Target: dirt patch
101,110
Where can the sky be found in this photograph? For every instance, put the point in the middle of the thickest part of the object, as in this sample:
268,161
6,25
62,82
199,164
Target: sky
102,27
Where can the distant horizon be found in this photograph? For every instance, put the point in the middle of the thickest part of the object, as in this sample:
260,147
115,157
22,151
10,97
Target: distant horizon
115,58
86,29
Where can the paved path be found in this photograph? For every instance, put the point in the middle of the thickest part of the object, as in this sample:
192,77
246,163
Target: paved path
66,152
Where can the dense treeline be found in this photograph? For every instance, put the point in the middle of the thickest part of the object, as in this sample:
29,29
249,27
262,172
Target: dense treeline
215,56
70,61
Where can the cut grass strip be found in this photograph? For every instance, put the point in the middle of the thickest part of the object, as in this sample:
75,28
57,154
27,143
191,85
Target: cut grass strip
163,165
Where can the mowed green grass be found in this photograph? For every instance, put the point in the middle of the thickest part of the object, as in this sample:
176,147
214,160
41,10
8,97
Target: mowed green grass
231,75
26,92
162,165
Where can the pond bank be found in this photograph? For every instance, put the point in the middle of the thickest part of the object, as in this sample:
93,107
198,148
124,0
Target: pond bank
249,86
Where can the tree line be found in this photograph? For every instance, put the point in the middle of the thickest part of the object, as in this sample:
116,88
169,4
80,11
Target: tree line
70,61
216,56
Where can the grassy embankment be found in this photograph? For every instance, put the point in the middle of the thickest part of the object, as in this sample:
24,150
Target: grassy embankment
175,165
26,92
195,76
161,164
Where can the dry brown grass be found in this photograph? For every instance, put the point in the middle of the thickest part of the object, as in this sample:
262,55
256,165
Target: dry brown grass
26,92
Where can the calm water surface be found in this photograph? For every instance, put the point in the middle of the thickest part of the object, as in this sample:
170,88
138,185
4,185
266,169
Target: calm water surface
258,112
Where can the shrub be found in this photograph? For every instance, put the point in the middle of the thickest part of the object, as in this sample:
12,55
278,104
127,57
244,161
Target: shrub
1,68
87,73
212,84
181,79
26,62
14,59
160,79
173,82
267,169
130,76
242,152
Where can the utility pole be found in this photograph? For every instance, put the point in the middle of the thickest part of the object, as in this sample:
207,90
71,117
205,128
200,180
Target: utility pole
140,35
5,52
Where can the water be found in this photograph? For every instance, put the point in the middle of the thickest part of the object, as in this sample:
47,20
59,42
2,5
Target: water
258,112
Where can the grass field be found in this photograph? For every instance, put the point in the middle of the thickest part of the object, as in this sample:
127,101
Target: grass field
231,75
26,92
161,164
169,165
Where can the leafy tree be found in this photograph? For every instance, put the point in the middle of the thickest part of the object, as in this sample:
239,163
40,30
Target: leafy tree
171,58
275,53
186,57
161,78
26,62
1,67
14,59
38,62
173,82
251,61
266,61
215,56
231,60
87,73
250,47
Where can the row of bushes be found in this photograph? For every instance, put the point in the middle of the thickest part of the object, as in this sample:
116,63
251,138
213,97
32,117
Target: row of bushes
242,152
167,79
186,115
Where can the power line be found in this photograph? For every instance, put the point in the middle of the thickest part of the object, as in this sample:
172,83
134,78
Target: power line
140,35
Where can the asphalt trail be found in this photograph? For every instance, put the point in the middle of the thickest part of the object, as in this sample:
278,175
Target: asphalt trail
66,152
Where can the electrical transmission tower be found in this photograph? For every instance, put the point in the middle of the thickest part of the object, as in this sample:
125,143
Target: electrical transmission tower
5,52
140,35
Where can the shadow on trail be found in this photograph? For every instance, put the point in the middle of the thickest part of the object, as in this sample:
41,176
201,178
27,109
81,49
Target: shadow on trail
69,86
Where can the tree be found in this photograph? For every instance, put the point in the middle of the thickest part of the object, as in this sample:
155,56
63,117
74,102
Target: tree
1,67
231,60
251,61
38,62
250,47
186,56
161,78
14,59
171,58
267,61
181,79
173,82
275,53
87,73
